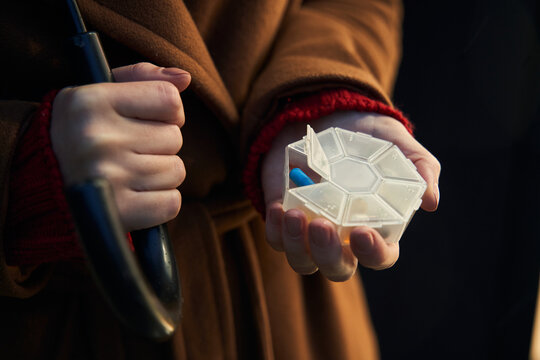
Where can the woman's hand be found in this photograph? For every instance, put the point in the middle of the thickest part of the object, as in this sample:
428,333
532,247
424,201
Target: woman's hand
127,132
316,246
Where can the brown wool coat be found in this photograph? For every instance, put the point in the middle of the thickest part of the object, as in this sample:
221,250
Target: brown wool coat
241,298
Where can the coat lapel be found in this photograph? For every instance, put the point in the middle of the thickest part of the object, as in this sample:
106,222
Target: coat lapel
166,35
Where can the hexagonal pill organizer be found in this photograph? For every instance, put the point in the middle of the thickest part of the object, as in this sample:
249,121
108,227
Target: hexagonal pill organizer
358,180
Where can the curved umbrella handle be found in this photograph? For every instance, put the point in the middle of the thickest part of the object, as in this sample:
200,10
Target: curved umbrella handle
143,287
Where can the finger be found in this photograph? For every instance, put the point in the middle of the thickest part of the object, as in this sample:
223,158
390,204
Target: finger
141,210
145,71
427,165
334,260
371,249
155,172
155,138
274,219
149,100
295,242
430,169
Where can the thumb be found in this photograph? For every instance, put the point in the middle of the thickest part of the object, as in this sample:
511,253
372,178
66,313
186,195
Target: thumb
430,170
145,71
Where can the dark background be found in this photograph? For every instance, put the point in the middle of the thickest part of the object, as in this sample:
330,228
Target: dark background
466,283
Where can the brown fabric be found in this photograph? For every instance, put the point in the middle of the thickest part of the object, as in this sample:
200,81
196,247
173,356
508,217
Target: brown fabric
241,298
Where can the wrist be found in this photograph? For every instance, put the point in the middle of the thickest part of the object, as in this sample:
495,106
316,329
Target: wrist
304,110
40,225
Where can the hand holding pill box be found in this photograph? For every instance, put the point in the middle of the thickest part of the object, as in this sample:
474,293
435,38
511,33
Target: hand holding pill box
352,179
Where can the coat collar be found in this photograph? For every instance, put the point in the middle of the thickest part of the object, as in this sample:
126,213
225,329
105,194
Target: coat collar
166,35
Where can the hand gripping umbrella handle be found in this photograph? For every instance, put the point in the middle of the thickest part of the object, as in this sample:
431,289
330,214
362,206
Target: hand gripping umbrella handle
142,286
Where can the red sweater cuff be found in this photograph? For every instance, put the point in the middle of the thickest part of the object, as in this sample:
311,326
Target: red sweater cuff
305,110
40,227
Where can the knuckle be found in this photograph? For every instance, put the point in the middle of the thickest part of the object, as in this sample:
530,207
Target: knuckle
175,135
139,69
64,96
180,138
172,205
82,110
179,170
85,98
169,96
181,117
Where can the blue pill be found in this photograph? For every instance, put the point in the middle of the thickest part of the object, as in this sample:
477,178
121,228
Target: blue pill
299,178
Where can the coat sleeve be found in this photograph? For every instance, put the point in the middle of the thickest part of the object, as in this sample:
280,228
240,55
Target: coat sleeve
354,44
17,281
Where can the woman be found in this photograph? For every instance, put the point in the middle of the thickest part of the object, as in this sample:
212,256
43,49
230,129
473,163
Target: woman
258,71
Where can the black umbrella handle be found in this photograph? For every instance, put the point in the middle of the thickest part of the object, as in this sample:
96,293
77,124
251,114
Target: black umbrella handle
143,286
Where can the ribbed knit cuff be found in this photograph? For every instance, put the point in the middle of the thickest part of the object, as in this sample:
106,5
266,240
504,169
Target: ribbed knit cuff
40,227
306,109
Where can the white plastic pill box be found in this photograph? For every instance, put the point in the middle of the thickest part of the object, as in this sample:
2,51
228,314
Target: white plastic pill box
359,180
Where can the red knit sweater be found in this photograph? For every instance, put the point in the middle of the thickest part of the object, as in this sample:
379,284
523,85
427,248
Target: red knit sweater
39,225
41,228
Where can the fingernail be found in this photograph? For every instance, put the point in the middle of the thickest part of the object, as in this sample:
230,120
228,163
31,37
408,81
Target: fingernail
320,236
173,71
293,225
365,245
